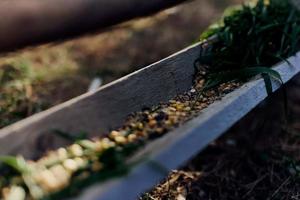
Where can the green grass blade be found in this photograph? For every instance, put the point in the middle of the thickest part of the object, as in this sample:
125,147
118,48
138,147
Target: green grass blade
242,75
17,163
268,83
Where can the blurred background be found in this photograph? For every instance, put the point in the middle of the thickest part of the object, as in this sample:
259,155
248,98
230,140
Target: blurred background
35,79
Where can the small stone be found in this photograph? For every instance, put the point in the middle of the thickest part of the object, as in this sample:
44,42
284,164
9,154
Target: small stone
152,123
98,146
200,83
87,144
140,126
187,109
227,90
61,174
172,109
70,165
174,119
133,125
199,107
83,175
132,138
179,107
47,181
120,140
114,133
76,150
62,154
183,114
107,143
81,163
97,166
14,193
146,112
160,130
203,105
49,159
168,122
186,104
172,101
180,197
178,113
203,72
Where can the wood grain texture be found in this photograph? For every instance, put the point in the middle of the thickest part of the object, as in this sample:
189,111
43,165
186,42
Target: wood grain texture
98,112
182,144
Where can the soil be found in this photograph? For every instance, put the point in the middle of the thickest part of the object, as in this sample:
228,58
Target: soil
251,163
59,72
258,158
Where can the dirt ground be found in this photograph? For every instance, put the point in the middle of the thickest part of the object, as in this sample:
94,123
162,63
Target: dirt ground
257,163
240,165
37,78
257,159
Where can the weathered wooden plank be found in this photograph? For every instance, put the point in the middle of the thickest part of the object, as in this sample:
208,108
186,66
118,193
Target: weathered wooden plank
177,147
98,112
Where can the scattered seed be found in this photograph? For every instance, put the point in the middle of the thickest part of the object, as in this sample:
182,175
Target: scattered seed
70,165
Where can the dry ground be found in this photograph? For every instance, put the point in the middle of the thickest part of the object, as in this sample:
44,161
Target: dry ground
261,164
37,78
258,159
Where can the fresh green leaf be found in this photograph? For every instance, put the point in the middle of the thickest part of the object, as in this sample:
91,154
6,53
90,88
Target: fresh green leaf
242,75
18,163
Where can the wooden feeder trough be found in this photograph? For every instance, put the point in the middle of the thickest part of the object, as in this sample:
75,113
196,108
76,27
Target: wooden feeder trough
98,112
